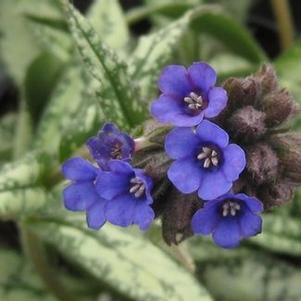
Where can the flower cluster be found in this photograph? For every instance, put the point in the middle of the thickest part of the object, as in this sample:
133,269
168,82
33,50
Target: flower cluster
114,191
212,160
205,160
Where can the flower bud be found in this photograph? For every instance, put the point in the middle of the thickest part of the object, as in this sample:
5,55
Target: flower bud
267,78
176,220
241,92
247,124
276,194
262,163
288,147
279,106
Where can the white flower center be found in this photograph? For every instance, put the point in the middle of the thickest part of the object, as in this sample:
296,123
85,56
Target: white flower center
137,187
230,208
209,157
194,101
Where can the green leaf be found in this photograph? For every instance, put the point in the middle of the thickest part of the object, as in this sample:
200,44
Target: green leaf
152,53
24,173
86,123
280,234
20,192
119,100
51,34
39,84
211,20
108,20
288,66
166,8
19,202
63,106
127,263
18,47
255,277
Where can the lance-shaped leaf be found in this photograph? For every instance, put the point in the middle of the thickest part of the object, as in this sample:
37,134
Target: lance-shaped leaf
108,20
288,66
280,234
127,263
211,20
63,105
20,192
18,45
152,53
255,277
119,101
86,122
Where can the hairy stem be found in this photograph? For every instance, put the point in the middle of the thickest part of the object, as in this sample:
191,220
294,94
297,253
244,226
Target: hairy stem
283,17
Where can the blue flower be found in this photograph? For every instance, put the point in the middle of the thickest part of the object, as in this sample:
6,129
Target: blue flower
81,194
188,95
205,161
128,193
110,143
229,219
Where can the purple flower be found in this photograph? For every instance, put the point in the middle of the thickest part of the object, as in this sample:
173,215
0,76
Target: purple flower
205,161
188,95
229,218
128,193
109,144
81,194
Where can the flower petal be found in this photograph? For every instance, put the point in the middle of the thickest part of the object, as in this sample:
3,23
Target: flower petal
96,215
234,161
174,80
110,184
121,167
213,185
185,175
78,169
205,220
121,210
210,132
250,223
181,143
144,216
252,203
202,75
226,234
217,101
110,128
79,196
168,109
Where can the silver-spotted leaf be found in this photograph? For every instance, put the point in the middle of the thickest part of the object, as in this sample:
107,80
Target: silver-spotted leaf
118,99
129,264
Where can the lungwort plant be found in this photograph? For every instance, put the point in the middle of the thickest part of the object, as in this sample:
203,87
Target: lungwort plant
134,162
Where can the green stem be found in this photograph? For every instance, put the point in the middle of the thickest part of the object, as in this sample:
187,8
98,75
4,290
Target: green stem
35,250
284,20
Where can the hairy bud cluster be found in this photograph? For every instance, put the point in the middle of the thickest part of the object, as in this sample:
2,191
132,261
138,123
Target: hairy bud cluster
259,109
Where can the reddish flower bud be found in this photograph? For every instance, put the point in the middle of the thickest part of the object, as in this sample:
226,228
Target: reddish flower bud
247,124
262,163
176,220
